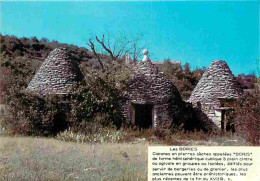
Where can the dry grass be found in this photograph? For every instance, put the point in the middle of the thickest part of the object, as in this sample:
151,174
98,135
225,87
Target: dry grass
31,158
102,135
181,138
26,158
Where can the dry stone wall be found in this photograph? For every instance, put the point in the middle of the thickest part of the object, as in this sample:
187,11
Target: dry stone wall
57,75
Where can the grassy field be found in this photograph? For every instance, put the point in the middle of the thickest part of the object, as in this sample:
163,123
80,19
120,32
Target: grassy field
31,158
26,158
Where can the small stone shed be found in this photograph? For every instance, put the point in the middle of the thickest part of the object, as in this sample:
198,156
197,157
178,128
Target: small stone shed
58,74
150,98
216,86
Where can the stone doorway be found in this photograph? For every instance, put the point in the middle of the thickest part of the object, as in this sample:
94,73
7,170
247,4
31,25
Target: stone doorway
143,115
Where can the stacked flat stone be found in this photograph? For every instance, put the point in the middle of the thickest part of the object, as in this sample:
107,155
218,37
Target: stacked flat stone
148,86
57,75
217,82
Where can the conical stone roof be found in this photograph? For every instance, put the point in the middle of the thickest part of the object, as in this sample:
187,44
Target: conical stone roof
57,75
216,82
148,84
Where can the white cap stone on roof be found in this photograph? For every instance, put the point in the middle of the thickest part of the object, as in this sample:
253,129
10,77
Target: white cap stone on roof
145,58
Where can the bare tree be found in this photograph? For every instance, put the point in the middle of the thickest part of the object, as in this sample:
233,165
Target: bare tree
136,49
115,48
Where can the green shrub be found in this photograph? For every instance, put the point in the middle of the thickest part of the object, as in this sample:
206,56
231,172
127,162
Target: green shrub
247,117
36,115
98,99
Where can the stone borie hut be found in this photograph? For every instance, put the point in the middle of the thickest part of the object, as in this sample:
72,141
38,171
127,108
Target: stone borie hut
150,98
216,86
59,74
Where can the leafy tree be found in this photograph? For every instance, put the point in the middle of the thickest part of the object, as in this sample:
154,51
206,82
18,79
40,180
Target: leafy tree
247,81
183,78
186,67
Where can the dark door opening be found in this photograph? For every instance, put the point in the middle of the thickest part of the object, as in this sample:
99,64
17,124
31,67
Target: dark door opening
143,115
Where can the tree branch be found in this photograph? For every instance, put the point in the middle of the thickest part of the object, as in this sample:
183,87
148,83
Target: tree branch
92,46
104,46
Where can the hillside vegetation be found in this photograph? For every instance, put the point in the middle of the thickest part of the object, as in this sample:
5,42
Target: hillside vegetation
23,56
90,108
20,59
